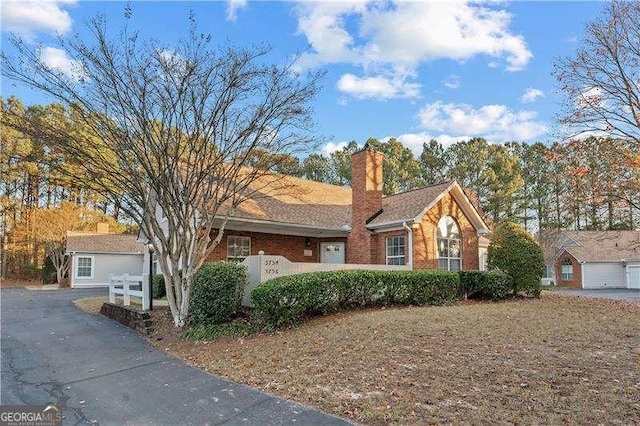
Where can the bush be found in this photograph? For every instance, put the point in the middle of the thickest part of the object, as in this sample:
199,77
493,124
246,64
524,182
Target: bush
485,284
159,289
49,274
217,293
286,300
514,251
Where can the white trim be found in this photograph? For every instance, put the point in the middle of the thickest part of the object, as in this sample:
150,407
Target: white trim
77,266
76,253
410,234
582,274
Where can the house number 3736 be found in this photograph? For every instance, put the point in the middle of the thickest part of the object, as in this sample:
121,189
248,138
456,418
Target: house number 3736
271,271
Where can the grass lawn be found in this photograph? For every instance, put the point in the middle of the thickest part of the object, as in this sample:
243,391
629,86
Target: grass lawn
559,359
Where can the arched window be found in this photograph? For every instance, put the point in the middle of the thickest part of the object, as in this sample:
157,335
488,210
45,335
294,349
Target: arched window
449,253
567,270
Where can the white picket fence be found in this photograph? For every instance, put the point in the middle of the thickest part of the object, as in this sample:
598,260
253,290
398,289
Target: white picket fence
127,286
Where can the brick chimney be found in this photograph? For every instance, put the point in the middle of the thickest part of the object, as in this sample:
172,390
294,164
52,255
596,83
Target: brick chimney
366,200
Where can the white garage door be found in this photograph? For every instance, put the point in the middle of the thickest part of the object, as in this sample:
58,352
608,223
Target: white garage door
634,276
603,275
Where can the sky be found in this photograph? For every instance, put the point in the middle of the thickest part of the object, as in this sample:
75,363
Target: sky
448,70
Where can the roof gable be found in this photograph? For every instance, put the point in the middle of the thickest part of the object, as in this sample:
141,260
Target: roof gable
412,205
600,246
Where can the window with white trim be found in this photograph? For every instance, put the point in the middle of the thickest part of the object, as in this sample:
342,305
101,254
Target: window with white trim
238,248
567,270
448,245
395,250
84,267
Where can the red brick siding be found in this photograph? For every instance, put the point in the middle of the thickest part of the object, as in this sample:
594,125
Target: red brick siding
576,282
366,201
425,255
289,246
379,247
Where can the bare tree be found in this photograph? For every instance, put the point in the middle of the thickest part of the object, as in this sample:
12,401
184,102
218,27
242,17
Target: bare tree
602,87
171,128
602,81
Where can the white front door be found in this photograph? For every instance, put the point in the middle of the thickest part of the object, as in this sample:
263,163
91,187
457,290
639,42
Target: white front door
331,252
634,277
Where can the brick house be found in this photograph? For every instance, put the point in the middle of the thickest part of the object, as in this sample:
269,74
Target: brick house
594,259
435,227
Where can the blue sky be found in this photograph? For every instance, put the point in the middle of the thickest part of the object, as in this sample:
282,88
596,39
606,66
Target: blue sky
411,70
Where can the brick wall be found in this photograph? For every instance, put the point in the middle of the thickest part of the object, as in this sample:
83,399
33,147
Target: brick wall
366,184
379,246
576,282
425,255
290,246
137,320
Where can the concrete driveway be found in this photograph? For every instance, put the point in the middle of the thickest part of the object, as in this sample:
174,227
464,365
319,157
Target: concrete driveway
98,371
611,293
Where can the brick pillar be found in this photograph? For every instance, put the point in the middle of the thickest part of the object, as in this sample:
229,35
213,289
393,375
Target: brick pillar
366,200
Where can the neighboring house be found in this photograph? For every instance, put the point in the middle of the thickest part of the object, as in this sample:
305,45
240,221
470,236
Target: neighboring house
95,256
436,227
596,259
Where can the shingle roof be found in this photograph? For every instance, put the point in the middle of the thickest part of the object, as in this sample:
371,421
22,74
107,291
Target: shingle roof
308,203
408,205
103,243
298,201
598,246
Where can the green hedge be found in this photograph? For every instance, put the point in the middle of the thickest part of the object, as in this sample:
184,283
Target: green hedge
217,293
485,284
286,300
159,289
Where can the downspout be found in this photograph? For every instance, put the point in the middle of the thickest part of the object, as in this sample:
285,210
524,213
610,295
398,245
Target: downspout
410,231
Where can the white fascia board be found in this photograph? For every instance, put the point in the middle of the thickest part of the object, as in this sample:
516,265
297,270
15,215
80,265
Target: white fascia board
390,224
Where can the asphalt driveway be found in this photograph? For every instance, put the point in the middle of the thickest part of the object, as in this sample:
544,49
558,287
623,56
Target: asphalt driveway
610,293
98,371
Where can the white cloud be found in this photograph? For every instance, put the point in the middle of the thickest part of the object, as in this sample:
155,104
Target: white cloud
414,141
452,82
330,147
531,95
233,6
402,35
378,87
57,59
28,17
494,122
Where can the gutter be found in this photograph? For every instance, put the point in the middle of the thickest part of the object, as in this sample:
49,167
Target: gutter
410,231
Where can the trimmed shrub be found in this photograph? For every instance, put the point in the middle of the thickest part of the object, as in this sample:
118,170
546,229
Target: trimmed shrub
514,251
217,293
159,289
485,284
286,300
